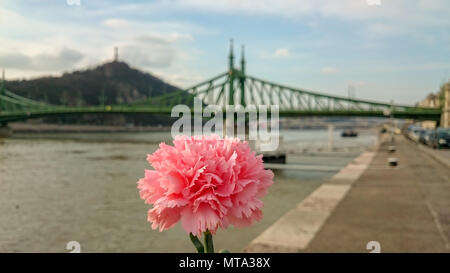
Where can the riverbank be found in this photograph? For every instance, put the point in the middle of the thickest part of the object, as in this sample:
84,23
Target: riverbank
30,127
295,229
72,128
403,208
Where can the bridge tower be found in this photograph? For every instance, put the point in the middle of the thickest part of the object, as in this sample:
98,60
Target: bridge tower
231,73
235,74
242,77
445,115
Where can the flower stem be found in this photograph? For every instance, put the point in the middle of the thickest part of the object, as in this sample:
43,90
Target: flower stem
209,246
198,245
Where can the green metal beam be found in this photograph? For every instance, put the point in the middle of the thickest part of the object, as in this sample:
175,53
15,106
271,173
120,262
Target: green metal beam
252,90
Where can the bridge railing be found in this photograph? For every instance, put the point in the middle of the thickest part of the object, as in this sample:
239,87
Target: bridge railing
232,87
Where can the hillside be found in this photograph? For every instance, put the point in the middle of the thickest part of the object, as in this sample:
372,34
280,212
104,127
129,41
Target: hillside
116,80
110,83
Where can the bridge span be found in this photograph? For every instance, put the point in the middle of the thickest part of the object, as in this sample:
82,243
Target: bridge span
233,87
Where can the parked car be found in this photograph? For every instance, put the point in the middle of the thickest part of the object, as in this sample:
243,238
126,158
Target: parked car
409,130
422,134
442,138
429,137
414,134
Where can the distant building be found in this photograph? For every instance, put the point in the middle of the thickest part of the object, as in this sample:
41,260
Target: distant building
432,101
445,117
428,124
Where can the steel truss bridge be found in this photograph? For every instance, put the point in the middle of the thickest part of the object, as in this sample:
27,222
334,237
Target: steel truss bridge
233,87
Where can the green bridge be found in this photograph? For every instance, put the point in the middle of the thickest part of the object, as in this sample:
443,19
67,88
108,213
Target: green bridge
233,87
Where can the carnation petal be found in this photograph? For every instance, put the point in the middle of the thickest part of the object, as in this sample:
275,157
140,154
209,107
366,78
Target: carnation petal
206,182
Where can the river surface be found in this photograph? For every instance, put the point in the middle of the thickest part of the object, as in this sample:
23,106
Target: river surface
56,188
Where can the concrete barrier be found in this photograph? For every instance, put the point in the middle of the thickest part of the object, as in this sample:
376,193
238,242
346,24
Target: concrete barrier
296,229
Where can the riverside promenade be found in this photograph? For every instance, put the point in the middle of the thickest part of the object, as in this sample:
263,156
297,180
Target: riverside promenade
404,208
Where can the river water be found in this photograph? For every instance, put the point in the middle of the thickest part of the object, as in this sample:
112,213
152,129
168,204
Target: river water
56,188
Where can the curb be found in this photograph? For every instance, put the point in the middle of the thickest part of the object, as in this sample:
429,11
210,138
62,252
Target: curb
433,155
297,228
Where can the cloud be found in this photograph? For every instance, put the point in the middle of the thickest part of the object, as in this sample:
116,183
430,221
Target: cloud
151,36
153,52
115,23
64,59
168,37
183,79
281,52
329,70
46,44
381,29
402,16
343,9
15,60
347,9
356,83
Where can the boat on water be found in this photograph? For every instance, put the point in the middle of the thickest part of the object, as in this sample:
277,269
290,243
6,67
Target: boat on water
349,133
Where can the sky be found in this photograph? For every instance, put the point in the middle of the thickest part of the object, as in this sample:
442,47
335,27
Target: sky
384,49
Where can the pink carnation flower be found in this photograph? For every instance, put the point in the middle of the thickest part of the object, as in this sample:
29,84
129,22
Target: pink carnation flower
206,182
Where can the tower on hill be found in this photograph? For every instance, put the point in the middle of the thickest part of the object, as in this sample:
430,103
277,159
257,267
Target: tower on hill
116,54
